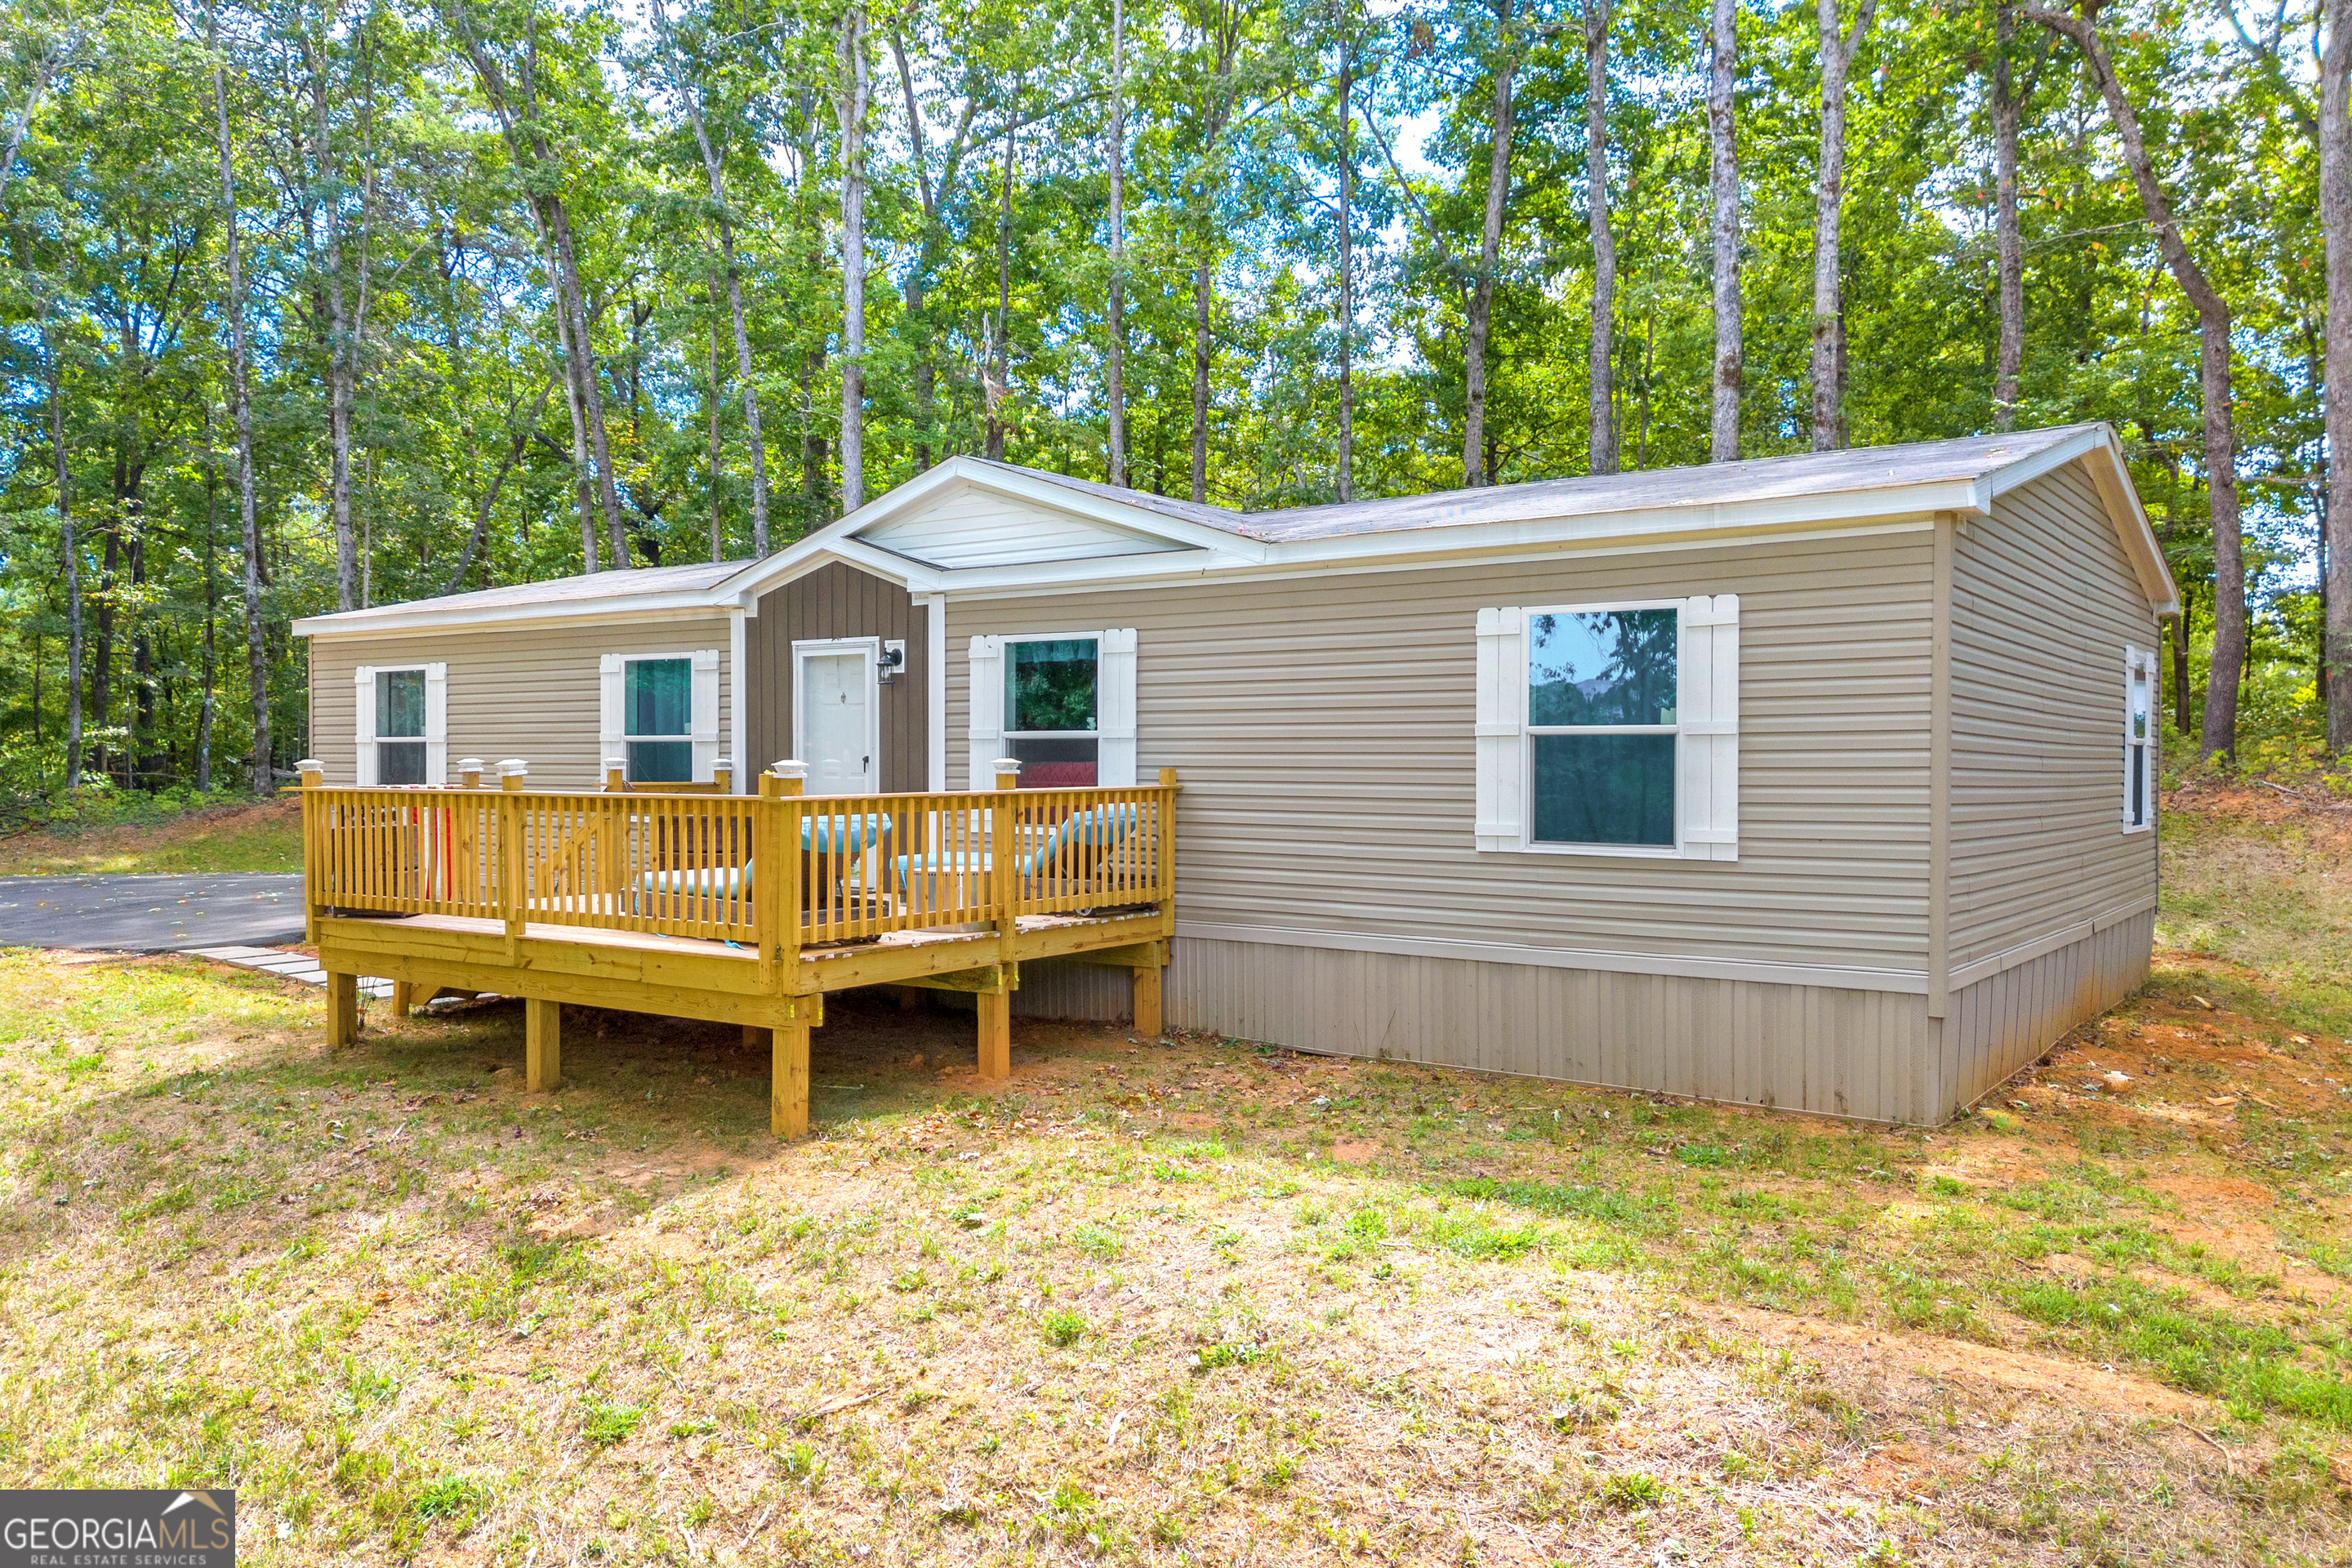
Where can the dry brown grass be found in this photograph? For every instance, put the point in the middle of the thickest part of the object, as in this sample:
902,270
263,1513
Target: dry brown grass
1193,1301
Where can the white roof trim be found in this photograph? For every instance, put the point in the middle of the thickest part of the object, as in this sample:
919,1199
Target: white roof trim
1205,551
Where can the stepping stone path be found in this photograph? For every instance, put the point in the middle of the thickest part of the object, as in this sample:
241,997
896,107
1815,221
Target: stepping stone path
297,966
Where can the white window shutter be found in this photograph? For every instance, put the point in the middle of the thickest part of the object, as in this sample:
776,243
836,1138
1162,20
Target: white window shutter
703,715
987,718
1115,714
611,673
1708,710
437,723
363,694
1501,729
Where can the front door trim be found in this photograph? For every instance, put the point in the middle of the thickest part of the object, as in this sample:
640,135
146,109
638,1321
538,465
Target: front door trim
871,649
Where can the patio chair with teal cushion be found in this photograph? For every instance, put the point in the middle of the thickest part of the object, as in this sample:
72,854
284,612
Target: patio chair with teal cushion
1074,847
819,833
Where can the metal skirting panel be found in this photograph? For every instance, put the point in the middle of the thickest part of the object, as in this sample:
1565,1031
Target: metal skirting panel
1062,988
1858,1053
2007,1020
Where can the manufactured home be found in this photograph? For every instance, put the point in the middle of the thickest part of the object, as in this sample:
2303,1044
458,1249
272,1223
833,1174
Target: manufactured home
1822,782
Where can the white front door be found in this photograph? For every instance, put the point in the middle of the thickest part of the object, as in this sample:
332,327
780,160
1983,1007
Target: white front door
836,719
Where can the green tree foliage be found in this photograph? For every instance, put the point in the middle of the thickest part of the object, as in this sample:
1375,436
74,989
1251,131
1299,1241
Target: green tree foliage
394,238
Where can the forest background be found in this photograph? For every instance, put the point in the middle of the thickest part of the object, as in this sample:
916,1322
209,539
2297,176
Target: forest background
329,305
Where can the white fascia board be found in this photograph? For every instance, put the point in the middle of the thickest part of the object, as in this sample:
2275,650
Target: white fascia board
745,592
642,607
1656,527
2101,453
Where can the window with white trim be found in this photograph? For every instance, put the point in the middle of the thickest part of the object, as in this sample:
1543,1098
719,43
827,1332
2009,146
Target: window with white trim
1611,728
2140,739
1062,705
660,714
404,724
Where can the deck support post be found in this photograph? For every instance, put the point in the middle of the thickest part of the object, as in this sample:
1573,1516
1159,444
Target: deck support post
1147,1000
543,1034
995,1035
787,1089
342,1011
404,997
755,1035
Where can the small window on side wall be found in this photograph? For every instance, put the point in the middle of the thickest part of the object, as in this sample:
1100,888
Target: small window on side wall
1051,688
2139,740
404,722
657,698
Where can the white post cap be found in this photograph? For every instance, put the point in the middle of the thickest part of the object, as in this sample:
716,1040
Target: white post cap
790,768
310,765
469,764
513,768
620,763
1007,764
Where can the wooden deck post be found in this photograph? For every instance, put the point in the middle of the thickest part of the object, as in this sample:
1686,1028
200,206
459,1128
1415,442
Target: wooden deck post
342,1011
776,892
1004,891
995,1035
1147,1000
788,1088
469,772
404,997
543,1044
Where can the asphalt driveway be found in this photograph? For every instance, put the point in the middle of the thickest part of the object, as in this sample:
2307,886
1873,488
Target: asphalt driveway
150,913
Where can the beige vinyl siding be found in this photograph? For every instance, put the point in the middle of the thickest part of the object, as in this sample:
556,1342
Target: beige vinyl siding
529,692
839,601
2044,602
1322,729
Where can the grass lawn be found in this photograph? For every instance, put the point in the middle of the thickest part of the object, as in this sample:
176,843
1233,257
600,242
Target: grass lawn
1188,1301
263,835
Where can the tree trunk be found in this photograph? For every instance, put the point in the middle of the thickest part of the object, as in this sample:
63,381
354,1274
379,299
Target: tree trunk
715,175
528,144
256,652
212,612
2335,223
71,549
2228,668
339,335
1000,369
1114,350
1723,179
2007,110
718,546
584,484
850,106
1603,397
2180,682
1490,251
1346,464
1205,356
1837,51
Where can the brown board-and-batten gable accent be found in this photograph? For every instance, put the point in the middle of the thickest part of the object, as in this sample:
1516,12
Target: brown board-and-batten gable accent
839,600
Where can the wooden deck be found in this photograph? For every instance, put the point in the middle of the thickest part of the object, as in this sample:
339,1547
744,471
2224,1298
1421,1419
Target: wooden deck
656,903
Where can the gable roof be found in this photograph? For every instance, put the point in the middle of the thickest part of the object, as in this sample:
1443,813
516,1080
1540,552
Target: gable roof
970,524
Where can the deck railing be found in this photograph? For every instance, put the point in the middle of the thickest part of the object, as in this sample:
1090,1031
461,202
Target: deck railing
776,872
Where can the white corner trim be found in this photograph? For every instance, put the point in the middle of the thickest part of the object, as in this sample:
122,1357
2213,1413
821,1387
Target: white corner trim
738,741
1692,966
935,691
2067,936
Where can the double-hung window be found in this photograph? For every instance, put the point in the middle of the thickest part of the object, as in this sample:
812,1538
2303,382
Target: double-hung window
2140,739
660,715
403,728
1063,706
1611,728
